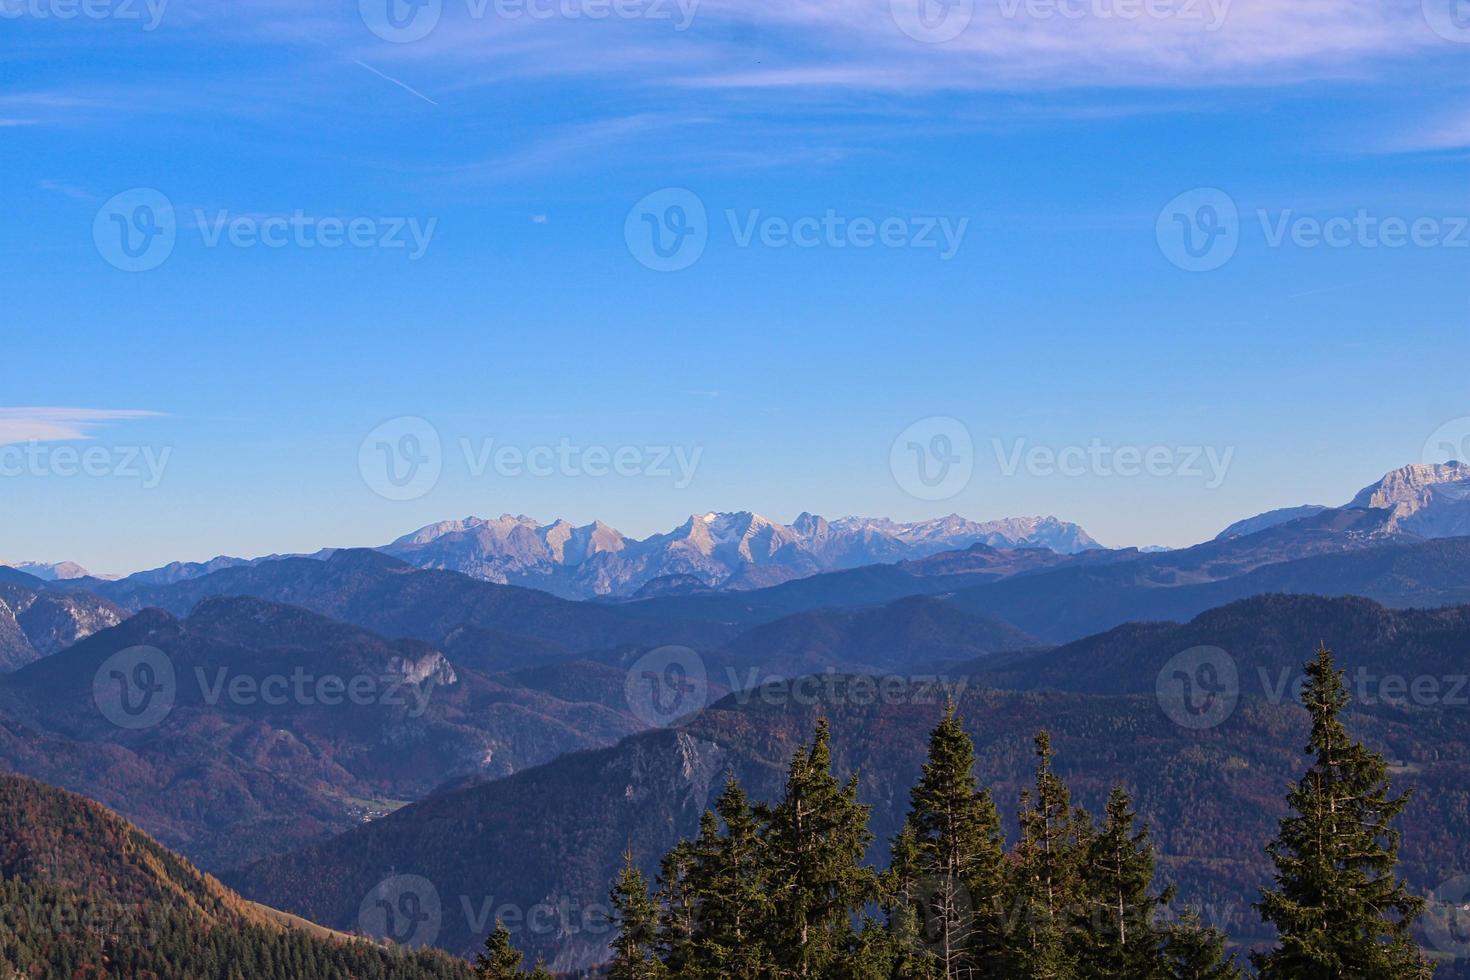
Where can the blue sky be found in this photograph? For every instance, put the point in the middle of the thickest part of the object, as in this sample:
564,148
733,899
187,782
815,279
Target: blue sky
530,153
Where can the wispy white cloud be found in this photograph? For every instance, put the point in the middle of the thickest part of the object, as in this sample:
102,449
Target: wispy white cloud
742,64
1083,44
1443,133
846,44
66,190
571,143
36,424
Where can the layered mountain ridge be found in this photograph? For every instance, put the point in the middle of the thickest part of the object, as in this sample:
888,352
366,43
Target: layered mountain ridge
739,550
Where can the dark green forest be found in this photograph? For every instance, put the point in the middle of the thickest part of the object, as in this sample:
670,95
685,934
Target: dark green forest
782,890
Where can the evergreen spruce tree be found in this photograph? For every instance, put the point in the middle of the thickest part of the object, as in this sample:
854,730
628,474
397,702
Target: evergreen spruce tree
955,870
817,836
1193,951
635,916
907,953
730,880
1045,878
500,960
1122,939
676,925
1339,909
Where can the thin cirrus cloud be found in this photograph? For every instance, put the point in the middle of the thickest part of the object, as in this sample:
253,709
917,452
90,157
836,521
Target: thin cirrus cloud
846,44
1451,133
35,424
1088,43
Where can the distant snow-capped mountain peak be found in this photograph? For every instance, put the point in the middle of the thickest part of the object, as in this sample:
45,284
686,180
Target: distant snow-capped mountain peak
48,571
1430,500
1426,500
731,549
1411,488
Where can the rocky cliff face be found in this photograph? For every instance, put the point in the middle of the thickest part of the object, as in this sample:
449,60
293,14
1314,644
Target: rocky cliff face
1429,501
1421,500
37,624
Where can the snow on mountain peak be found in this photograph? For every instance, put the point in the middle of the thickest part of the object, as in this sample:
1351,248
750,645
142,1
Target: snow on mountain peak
1431,500
1410,488
730,548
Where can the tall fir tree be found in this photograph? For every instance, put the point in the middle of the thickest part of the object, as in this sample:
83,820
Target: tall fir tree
1045,873
499,960
676,925
816,839
1121,938
907,950
635,917
730,879
1194,951
955,871
1338,905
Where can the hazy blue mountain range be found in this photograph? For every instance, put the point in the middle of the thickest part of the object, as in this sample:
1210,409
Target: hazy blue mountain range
650,789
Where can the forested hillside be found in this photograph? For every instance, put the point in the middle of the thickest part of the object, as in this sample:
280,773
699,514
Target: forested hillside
86,894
